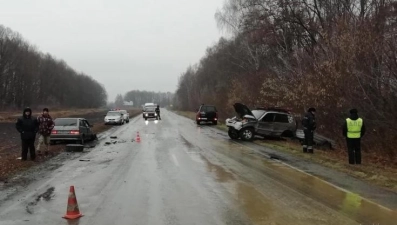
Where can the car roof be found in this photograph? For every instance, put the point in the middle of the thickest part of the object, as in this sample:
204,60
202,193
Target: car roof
68,118
114,111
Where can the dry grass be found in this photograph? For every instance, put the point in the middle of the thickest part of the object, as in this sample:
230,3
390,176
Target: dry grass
372,170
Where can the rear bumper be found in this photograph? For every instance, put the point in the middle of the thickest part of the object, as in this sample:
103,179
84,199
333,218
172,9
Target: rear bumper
206,119
65,137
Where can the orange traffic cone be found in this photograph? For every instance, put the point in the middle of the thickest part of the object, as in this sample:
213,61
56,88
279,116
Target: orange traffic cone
72,211
138,138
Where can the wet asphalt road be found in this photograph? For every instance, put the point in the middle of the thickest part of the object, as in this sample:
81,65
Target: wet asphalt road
182,174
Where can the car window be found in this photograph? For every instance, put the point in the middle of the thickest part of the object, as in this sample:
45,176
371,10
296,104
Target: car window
208,109
82,123
281,118
150,109
65,122
113,114
268,118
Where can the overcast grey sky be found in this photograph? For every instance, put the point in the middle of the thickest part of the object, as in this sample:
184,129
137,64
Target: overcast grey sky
124,44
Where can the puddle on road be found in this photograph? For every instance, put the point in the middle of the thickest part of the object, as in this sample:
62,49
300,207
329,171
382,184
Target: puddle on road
258,208
221,174
349,204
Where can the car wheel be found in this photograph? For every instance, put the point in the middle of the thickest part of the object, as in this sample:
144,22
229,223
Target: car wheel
247,134
233,134
198,122
128,121
215,122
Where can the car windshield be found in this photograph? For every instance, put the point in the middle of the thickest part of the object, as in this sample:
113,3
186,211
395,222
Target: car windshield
258,113
65,122
208,109
150,109
113,114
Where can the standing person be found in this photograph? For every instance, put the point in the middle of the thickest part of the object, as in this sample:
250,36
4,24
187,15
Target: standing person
27,127
45,127
354,130
309,125
158,112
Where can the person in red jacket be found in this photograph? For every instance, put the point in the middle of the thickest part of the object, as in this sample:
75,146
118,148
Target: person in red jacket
45,127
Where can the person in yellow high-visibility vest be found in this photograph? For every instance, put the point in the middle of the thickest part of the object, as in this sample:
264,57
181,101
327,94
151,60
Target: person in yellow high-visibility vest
354,130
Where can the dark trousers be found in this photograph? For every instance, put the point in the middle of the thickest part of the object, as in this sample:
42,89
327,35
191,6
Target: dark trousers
354,150
308,141
158,115
28,146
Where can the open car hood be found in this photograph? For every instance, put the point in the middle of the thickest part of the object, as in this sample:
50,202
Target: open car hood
242,110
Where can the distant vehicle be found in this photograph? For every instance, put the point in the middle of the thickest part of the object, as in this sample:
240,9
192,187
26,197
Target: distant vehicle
72,129
126,115
149,112
114,117
207,113
274,122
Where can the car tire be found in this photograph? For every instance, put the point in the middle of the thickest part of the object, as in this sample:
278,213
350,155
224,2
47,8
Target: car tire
128,121
93,137
247,134
198,122
215,123
233,134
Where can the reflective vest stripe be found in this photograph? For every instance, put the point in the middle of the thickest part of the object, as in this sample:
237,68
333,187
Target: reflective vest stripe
354,128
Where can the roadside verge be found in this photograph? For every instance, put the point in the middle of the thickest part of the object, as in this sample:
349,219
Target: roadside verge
372,181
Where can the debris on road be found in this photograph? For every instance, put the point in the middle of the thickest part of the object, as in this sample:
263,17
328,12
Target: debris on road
85,160
113,137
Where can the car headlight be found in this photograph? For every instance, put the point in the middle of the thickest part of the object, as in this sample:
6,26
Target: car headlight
155,114
147,114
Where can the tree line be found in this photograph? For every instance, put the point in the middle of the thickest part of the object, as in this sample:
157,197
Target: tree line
330,54
31,78
139,98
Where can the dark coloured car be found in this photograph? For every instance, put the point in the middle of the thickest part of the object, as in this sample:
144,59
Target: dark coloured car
207,113
149,112
273,122
72,129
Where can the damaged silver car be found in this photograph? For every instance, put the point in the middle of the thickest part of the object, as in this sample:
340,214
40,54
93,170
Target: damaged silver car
272,122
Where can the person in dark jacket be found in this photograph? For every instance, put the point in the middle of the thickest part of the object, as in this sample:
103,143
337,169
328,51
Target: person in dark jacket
158,112
46,124
309,126
27,127
354,129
